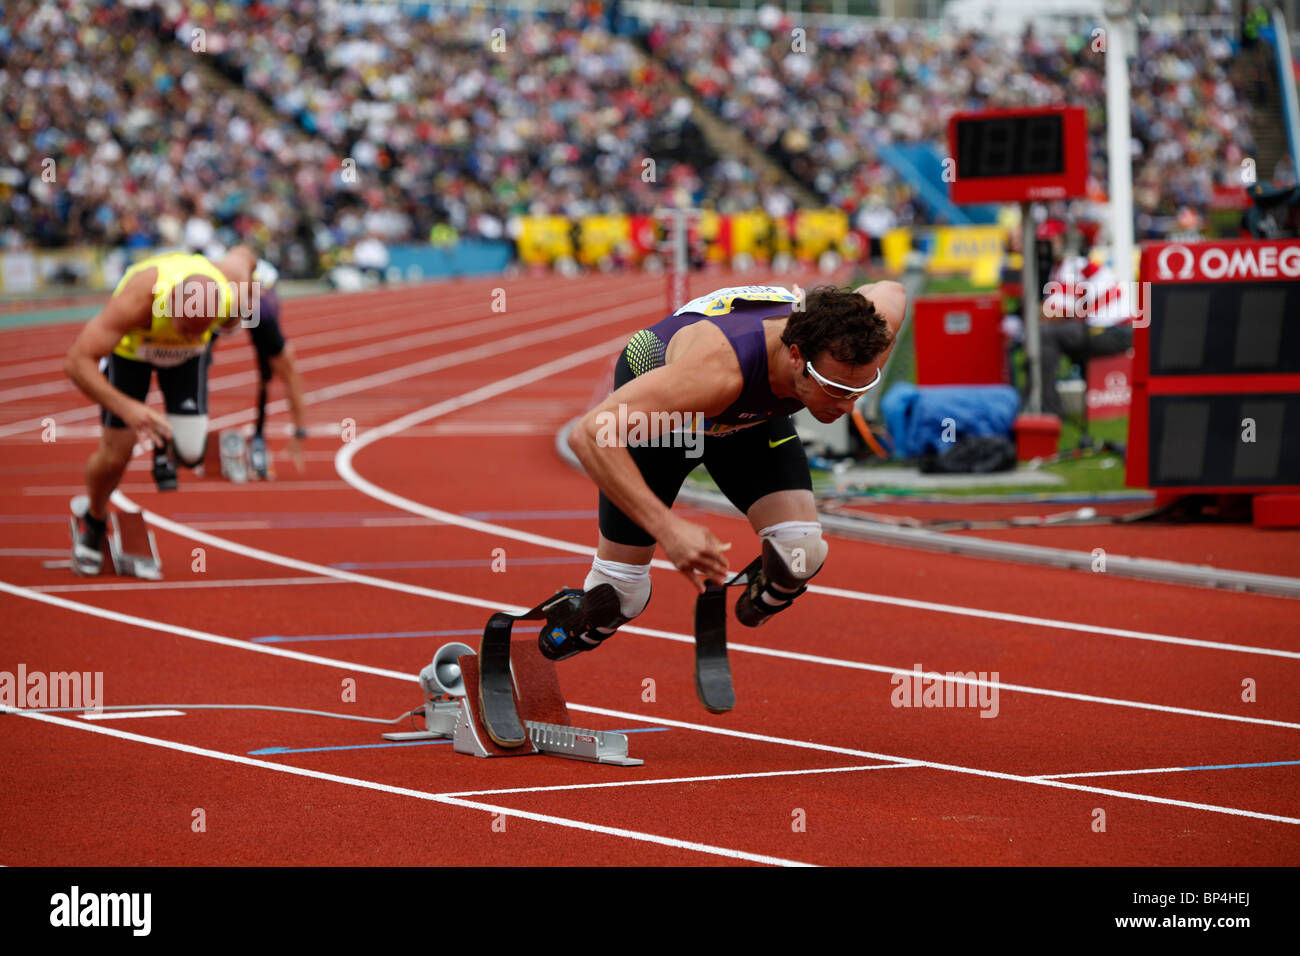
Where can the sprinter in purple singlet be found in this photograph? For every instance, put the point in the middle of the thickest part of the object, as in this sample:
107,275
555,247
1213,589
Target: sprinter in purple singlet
715,384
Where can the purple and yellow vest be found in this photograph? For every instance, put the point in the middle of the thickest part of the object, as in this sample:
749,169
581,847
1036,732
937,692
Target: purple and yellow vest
739,312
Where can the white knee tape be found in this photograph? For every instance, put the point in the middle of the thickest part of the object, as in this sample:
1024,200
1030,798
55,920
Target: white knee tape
801,548
189,437
631,581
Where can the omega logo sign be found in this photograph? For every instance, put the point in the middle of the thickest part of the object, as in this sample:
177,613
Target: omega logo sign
1236,262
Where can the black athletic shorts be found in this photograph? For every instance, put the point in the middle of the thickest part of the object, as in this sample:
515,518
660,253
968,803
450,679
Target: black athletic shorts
184,386
746,465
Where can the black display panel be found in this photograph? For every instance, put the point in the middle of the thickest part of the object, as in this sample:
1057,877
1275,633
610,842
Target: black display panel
1011,146
1225,328
1228,440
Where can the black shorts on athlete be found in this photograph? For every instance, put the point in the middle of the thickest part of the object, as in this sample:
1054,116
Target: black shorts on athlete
267,336
184,386
746,465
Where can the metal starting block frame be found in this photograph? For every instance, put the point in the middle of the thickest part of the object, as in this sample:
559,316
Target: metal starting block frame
237,459
132,547
554,740
453,716
131,544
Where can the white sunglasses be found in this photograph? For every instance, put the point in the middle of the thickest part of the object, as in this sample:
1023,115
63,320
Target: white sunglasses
835,389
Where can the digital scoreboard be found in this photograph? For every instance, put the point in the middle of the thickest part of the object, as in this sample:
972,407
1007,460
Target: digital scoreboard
1019,155
1216,369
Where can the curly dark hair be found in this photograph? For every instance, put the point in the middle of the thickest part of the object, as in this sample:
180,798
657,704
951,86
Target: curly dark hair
841,322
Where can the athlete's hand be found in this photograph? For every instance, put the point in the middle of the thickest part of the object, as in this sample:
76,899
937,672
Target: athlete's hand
694,551
149,426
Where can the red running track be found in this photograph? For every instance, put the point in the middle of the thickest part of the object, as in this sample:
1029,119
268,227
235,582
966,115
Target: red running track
340,581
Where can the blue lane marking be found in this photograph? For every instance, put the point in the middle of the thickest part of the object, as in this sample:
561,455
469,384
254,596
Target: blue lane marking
451,563
1238,766
307,750
280,639
404,743
641,730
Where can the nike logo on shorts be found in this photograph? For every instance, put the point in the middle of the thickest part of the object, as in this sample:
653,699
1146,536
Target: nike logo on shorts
773,444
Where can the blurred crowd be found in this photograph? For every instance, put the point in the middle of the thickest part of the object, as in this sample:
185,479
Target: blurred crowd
826,101
470,120
306,127
113,138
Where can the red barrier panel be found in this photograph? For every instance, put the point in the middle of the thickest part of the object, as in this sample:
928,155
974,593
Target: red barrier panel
959,340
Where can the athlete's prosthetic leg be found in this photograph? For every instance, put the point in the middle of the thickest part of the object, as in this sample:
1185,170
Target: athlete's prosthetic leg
575,621
793,553
614,594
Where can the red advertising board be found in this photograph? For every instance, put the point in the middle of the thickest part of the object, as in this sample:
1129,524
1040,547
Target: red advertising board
1109,386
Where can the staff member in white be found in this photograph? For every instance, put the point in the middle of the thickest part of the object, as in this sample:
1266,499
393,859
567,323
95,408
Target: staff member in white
1087,313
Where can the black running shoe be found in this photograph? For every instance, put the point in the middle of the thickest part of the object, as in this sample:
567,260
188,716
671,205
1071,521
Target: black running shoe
88,546
164,468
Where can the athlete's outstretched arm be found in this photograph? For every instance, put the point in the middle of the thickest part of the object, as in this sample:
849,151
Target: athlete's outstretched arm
129,309
890,300
704,379
286,369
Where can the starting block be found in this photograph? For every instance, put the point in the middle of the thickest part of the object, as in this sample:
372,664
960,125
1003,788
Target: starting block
259,458
131,544
453,710
234,456
229,455
132,547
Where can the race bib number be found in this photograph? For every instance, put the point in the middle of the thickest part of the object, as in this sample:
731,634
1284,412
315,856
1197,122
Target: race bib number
164,356
720,302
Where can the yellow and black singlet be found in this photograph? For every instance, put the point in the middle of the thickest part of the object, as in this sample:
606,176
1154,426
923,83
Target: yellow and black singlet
162,344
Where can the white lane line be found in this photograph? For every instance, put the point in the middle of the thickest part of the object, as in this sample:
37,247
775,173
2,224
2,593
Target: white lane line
343,464
621,832
197,635
663,780
625,715
131,714
1124,773
184,585
334,320
522,318
1052,623
309,567
952,768
193,486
